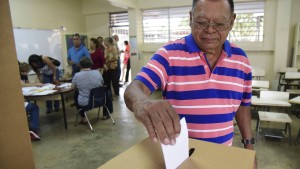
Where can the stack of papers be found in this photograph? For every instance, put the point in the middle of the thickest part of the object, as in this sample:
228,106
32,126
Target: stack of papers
44,90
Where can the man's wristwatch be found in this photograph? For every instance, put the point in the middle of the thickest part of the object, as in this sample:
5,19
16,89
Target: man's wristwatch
248,141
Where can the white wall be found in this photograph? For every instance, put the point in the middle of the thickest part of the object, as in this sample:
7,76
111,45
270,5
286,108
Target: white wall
48,14
97,25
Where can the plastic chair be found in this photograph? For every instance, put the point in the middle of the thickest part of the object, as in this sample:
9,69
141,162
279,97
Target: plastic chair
97,99
257,73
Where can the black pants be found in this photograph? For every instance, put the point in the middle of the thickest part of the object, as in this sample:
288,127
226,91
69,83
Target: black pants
111,78
127,70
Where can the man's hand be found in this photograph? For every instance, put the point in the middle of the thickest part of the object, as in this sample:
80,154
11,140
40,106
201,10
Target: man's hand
160,120
56,82
71,62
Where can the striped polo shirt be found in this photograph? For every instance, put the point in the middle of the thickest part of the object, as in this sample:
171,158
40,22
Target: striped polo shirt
208,99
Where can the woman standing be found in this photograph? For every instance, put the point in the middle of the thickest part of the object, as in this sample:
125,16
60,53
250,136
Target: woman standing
97,55
46,72
126,62
110,67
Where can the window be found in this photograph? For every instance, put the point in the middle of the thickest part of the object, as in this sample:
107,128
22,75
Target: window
163,25
119,25
249,23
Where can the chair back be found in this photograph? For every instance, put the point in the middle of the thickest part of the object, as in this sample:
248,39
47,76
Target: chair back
292,75
260,84
288,69
258,72
97,97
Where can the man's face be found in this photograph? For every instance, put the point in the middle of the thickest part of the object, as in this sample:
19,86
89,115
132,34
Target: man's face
116,37
211,22
76,41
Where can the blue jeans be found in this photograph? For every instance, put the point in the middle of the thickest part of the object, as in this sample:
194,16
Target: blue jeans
33,111
49,79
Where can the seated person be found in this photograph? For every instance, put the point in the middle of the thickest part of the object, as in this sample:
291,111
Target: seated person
32,110
85,81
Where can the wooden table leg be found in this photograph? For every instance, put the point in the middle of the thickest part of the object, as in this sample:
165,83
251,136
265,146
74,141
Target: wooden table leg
64,110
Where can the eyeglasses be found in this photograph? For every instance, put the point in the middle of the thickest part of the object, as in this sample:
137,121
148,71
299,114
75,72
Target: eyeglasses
220,26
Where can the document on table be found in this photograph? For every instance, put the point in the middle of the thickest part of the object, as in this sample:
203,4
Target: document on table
65,85
27,89
44,92
174,155
48,86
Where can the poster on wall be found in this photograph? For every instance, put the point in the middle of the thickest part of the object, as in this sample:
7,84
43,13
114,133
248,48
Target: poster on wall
133,45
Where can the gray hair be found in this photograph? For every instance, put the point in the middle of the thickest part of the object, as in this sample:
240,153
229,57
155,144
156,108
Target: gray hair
231,4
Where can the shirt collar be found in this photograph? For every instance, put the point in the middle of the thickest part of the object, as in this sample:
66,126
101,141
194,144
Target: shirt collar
79,47
193,47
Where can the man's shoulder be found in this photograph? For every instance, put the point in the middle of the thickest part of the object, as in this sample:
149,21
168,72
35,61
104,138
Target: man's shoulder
236,50
178,44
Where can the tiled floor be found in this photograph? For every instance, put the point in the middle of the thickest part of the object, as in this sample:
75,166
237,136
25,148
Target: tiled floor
79,148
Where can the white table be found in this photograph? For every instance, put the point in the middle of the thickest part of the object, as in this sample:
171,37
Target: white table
276,118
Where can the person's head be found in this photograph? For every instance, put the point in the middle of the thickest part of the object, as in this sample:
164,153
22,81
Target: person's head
211,21
24,68
76,40
108,42
85,63
126,42
35,61
94,43
100,39
116,38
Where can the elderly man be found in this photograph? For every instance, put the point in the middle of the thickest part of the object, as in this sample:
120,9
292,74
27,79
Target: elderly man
116,38
77,52
203,77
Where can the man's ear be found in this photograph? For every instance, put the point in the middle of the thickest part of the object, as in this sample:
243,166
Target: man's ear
191,18
232,20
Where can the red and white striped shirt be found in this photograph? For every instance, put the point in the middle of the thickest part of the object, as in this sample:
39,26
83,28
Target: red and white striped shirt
208,99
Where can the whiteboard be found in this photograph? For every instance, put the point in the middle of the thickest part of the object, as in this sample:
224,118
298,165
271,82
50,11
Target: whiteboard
37,41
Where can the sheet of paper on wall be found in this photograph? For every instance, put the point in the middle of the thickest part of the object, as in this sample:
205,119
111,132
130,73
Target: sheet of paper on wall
174,155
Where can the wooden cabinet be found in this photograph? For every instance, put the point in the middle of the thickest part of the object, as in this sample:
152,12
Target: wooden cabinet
296,53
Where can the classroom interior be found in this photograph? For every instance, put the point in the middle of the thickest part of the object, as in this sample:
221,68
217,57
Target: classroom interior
78,147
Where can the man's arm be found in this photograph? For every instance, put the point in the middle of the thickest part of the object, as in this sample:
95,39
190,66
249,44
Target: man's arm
69,58
158,116
243,119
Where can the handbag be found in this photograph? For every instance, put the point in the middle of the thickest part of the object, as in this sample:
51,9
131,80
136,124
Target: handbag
54,61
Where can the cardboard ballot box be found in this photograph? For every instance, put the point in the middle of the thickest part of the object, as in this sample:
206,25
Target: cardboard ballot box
148,155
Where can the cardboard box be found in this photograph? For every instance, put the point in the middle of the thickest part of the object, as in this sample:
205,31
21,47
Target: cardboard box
148,155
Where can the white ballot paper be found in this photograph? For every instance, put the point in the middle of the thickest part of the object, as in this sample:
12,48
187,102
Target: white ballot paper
174,155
